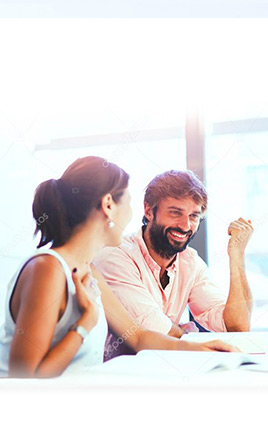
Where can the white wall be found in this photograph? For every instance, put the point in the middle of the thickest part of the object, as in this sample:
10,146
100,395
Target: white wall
134,8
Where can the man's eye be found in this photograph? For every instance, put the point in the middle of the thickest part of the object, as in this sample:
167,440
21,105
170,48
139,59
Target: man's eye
195,216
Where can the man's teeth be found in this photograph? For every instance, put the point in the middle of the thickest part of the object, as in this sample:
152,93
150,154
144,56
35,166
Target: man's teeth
181,236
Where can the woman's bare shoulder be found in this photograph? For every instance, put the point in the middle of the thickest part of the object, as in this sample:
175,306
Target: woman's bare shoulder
43,272
44,265
41,282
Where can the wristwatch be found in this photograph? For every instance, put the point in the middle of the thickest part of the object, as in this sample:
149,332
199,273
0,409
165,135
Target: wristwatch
80,330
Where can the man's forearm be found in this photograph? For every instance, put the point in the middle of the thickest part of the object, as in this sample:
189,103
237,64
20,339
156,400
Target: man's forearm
238,308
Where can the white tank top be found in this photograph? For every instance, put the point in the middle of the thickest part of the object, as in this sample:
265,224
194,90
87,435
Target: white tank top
91,351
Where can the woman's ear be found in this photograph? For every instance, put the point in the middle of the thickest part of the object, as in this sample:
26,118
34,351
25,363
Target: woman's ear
107,205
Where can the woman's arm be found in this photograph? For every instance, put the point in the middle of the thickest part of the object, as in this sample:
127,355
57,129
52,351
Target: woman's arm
138,338
42,289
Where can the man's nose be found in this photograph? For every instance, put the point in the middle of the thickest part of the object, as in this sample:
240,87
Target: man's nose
184,223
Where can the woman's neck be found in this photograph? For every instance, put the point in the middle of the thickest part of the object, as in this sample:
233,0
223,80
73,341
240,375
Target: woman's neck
82,247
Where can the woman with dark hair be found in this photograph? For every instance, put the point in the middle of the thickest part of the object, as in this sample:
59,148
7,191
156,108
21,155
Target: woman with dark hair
57,302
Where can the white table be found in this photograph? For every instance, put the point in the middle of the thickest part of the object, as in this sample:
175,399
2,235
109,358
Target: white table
123,402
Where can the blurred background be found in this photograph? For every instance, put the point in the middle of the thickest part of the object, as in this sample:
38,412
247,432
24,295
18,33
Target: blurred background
149,95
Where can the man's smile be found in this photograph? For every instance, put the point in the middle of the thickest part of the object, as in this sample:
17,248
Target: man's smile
178,236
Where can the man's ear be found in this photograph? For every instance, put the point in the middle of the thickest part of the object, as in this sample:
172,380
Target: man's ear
148,212
107,204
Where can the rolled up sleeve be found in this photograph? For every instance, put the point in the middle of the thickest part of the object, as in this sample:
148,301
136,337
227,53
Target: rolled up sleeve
207,302
124,277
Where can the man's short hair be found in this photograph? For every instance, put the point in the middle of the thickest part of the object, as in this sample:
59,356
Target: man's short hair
176,184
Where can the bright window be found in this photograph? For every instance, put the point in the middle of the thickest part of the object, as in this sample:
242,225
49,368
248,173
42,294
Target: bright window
142,161
237,182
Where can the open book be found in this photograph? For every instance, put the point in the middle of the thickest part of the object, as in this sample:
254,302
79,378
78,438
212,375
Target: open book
178,365
172,366
189,363
247,342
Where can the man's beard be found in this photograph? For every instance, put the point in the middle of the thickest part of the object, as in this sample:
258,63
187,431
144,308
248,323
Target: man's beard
160,243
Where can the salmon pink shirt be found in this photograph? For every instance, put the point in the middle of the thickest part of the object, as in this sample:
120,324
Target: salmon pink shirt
134,277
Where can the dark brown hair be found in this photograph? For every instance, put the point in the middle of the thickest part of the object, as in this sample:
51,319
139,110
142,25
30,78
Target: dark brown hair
176,184
67,202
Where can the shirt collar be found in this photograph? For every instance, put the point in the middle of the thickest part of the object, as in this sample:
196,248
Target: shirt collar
148,258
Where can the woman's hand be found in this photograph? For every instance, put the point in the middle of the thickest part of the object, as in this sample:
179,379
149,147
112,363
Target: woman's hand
86,296
214,345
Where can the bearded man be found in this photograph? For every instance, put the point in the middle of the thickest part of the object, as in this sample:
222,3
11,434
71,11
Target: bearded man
155,275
